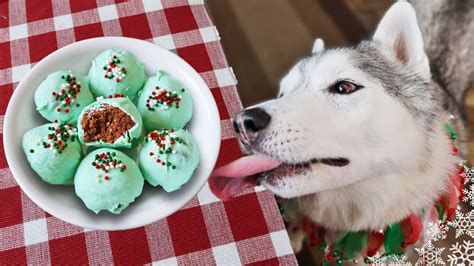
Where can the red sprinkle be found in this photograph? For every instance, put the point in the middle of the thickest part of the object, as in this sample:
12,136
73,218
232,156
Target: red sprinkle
154,135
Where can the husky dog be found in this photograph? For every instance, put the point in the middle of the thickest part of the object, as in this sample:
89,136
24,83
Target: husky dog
356,135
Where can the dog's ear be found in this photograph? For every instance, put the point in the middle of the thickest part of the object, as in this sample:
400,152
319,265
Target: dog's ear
399,31
318,46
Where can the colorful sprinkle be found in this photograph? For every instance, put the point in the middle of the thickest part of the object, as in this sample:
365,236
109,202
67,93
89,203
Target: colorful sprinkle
67,94
107,161
60,134
165,141
116,95
113,70
163,98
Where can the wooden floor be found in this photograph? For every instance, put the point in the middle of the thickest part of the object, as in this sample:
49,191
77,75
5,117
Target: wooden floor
264,38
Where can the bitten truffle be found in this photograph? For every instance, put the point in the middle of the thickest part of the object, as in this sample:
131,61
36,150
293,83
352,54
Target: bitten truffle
112,122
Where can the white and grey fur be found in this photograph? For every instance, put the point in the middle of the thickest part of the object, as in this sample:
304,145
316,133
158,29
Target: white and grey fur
448,31
391,131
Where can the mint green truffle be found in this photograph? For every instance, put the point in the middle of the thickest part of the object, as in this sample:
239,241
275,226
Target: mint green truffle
62,96
107,179
116,72
109,122
165,103
53,152
169,158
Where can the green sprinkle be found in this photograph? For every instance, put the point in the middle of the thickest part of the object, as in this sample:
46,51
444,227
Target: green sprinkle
32,151
182,90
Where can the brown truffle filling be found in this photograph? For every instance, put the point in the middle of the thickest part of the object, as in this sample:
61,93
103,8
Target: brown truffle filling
106,124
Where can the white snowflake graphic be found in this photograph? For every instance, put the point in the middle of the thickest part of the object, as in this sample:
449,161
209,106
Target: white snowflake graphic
429,254
464,223
462,254
436,231
469,195
378,260
469,174
401,260
381,260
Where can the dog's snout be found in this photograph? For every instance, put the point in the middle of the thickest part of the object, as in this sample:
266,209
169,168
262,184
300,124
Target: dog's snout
249,122
255,119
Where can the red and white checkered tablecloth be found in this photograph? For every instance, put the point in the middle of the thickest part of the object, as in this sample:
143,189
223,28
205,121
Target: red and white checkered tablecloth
246,230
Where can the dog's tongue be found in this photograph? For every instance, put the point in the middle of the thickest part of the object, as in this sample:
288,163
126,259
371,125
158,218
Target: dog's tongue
229,180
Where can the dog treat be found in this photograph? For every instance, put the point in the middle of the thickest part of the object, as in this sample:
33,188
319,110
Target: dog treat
112,122
116,72
62,96
165,103
53,152
107,179
169,158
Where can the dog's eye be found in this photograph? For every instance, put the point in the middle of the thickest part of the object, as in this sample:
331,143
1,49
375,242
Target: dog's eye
344,87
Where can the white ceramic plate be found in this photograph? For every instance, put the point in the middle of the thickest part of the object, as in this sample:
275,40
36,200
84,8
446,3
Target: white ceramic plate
61,201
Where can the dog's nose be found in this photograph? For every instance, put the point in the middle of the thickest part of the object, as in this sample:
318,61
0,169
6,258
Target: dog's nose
249,122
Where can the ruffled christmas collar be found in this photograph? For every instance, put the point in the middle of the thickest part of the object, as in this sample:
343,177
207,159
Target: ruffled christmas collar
396,237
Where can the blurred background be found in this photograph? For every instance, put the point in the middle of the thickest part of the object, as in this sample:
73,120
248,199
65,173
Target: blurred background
264,38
